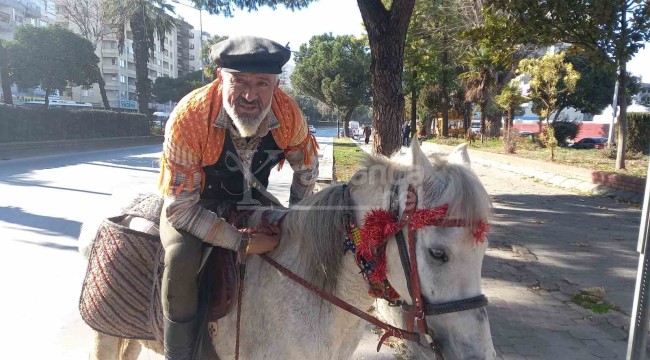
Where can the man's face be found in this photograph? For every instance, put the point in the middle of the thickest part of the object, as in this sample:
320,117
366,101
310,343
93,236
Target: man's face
247,98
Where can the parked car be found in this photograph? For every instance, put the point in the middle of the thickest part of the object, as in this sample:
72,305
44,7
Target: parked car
312,129
590,143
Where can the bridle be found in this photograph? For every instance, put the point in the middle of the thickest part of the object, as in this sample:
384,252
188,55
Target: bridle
417,327
418,311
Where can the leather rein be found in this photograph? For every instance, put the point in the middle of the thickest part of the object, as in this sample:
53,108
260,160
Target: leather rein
417,312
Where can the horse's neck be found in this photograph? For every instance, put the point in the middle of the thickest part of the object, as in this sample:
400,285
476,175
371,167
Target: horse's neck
334,333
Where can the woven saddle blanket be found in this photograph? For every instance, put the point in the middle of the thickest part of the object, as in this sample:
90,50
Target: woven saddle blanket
120,294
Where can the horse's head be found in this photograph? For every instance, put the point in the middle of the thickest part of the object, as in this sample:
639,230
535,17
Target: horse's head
449,250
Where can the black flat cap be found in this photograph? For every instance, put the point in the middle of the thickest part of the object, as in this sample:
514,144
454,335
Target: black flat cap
250,54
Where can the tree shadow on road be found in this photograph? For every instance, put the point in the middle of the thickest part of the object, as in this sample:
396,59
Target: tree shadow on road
53,225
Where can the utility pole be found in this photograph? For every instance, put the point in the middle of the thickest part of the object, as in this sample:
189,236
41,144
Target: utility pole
636,346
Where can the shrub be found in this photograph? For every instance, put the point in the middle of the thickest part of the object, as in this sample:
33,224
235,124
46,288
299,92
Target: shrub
565,130
19,124
638,132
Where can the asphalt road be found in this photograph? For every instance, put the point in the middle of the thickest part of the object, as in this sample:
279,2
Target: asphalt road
43,202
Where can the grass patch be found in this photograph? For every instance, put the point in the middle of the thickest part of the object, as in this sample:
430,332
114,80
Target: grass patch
593,159
588,302
347,156
592,303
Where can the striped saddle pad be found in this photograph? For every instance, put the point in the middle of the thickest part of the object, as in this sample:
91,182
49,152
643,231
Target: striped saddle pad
120,295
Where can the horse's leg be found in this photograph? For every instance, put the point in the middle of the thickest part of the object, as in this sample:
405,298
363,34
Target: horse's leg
129,349
105,347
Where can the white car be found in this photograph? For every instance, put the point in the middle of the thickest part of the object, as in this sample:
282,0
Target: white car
312,129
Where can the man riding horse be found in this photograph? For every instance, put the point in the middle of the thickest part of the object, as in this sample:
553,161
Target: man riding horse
221,142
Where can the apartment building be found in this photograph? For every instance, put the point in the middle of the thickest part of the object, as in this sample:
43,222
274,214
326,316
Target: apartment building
14,13
196,39
170,58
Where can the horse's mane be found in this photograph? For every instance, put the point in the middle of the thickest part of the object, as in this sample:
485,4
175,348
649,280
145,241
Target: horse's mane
319,222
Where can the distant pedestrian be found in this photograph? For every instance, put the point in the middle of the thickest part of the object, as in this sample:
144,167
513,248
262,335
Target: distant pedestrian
367,132
406,134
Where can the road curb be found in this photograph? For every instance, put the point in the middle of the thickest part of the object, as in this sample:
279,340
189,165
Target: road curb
23,150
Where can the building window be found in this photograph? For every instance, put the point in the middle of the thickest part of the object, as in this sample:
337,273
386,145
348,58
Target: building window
159,62
191,57
153,73
129,35
107,44
122,63
123,79
84,93
113,61
191,35
171,54
114,77
122,94
191,46
166,52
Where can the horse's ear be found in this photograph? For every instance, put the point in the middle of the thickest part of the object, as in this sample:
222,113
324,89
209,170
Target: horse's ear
459,155
419,159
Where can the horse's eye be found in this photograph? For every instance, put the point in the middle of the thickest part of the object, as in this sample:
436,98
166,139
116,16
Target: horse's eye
438,254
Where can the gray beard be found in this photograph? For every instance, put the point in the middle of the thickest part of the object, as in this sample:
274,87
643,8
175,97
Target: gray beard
246,125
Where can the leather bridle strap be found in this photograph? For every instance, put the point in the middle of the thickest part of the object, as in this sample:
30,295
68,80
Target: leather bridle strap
455,306
389,329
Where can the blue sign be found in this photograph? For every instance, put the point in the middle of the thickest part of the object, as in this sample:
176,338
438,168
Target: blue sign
128,104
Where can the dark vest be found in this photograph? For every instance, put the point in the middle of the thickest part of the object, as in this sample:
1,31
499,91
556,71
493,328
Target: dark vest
224,179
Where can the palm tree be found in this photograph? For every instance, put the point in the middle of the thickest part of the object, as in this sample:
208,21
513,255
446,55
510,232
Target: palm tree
509,98
479,78
148,20
210,69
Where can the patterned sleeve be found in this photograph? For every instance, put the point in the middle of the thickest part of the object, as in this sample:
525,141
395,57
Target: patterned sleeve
182,178
304,176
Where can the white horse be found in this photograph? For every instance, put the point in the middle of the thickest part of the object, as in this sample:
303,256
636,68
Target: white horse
283,320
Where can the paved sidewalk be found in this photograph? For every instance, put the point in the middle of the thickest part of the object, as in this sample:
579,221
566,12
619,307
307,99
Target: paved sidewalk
564,176
546,244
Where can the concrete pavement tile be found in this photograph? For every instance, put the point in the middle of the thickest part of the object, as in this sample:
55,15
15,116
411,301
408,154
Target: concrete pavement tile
557,180
598,350
586,187
526,350
570,183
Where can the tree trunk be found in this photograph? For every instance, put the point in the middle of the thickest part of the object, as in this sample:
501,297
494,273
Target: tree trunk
414,105
47,97
622,98
102,91
483,107
621,146
386,36
346,121
427,125
4,74
141,57
468,115
444,89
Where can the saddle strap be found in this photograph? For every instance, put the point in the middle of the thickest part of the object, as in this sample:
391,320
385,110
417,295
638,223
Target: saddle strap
240,297
389,329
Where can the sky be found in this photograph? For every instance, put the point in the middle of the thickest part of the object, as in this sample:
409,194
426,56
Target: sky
340,17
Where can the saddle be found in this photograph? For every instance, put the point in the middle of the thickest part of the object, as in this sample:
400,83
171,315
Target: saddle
120,295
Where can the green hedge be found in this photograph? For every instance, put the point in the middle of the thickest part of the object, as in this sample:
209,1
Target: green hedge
638,132
19,124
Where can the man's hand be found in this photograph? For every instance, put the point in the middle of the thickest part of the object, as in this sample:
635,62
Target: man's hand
261,242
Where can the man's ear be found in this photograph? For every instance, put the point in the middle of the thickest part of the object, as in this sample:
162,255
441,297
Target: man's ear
277,83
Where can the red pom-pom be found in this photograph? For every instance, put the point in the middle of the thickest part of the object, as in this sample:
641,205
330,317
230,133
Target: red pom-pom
481,231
